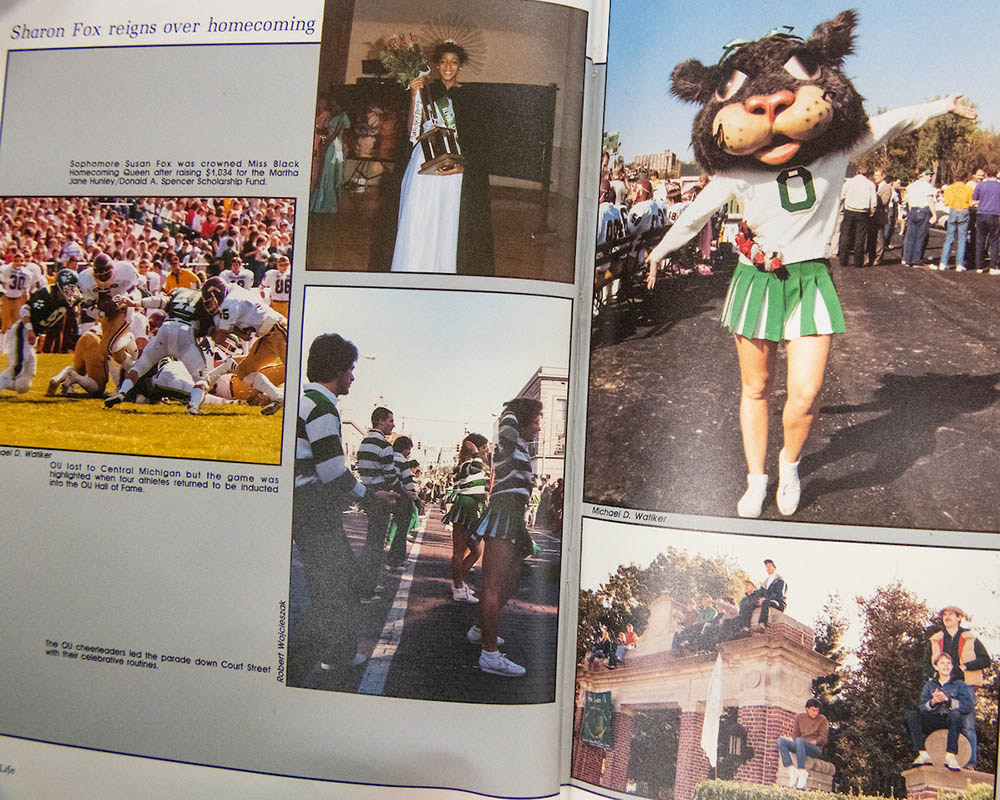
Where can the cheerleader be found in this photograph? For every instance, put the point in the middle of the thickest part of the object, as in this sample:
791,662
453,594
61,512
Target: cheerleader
467,507
503,530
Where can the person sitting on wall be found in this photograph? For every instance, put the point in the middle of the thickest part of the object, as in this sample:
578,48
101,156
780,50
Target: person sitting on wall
968,658
687,636
775,589
943,703
752,594
808,738
603,651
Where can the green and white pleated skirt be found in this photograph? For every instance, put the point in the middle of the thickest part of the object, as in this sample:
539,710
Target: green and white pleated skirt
762,305
466,510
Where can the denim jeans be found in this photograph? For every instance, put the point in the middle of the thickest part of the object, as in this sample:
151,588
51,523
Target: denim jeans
958,226
802,750
969,729
923,722
915,236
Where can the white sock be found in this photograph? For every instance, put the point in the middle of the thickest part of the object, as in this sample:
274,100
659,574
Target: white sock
752,501
789,488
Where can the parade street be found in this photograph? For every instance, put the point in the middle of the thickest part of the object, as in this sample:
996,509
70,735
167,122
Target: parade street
415,635
908,433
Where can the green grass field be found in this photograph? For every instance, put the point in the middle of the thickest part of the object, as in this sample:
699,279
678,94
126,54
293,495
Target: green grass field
221,433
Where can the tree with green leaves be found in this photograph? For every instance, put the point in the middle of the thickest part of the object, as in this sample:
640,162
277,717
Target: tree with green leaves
626,596
869,743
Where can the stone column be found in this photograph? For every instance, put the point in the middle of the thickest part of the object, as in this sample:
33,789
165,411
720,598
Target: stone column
692,765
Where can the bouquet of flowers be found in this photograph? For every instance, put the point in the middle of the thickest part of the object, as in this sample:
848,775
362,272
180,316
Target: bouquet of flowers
402,57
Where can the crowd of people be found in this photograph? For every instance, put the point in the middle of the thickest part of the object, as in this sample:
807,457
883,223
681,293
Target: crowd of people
968,208
167,298
487,503
637,207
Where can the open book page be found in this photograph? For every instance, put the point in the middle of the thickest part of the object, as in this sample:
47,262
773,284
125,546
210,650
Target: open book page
789,546
282,520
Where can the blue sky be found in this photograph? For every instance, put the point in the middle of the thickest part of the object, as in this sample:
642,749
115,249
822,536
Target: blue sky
440,360
904,54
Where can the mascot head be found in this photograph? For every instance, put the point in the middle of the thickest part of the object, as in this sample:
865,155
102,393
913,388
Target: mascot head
777,101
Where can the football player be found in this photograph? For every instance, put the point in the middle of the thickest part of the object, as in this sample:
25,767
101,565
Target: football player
89,370
237,311
169,379
187,320
46,308
108,288
18,280
278,283
237,275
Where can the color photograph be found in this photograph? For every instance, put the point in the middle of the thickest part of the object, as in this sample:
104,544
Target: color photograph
447,139
719,665
796,268
125,318
427,519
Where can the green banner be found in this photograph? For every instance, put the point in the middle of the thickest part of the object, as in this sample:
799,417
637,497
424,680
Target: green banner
596,728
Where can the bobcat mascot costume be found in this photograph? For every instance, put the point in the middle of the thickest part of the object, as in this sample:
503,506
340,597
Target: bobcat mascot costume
779,124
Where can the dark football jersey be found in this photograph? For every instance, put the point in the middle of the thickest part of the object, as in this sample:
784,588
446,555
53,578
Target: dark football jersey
185,305
46,308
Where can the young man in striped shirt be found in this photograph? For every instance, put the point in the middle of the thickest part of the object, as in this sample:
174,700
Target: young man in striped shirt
326,631
375,466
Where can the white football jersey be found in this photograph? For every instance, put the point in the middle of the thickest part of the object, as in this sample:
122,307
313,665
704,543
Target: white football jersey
278,284
610,224
244,279
242,310
644,217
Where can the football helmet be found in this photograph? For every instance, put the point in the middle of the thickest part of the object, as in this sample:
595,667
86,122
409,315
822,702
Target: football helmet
68,287
213,293
156,318
103,270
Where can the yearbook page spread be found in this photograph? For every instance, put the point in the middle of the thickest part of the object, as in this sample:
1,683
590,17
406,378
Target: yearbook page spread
283,521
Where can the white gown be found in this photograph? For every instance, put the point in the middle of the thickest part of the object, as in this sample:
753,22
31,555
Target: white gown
427,237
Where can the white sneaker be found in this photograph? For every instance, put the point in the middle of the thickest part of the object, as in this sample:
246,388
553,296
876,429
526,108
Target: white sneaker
995,272
789,488
355,661
803,779
463,595
793,776
949,758
923,759
496,663
752,502
959,268
475,636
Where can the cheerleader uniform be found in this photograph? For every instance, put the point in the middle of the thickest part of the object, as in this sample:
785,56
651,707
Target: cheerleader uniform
512,482
470,497
792,213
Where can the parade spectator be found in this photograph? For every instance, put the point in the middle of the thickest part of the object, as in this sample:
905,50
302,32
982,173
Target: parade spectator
860,201
943,702
968,657
884,221
977,178
920,199
958,199
987,198
809,737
